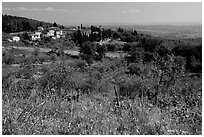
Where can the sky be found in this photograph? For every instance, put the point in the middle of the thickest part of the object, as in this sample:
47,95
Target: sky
71,13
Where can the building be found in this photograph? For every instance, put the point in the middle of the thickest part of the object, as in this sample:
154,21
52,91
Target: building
40,28
59,33
36,35
86,32
51,33
16,38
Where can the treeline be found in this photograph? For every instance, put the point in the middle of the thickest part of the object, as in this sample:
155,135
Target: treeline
16,24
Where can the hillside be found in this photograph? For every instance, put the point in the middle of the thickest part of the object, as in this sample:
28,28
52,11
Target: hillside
15,24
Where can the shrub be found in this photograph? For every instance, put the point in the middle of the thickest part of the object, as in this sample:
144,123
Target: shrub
87,51
112,47
100,52
42,58
127,47
148,56
53,57
36,52
193,55
134,69
162,50
8,59
136,55
131,89
80,64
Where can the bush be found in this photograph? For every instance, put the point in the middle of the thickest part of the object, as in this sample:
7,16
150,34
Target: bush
87,51
131,89
8,59
148,56
100,52
36,52
42,58
193,55
134,69
56,81
112,47
53,57
136,55
127,47
80,64
162,50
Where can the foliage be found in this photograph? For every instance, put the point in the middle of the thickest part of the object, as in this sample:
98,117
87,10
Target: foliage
150,94
87,51
16,24
127,47
100,51
8,59
112,47
193,55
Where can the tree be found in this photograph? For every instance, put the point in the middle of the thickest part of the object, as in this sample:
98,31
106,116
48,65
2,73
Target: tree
106,33
25,26
54,24
134,33
79,38
116,35
127,36
40,24
87,51
62,27
120,30
100,51
127,47
25,36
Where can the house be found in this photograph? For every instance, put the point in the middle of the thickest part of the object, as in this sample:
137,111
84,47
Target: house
58,36
36,35
85,32
16,38
40,28
59,33
51,33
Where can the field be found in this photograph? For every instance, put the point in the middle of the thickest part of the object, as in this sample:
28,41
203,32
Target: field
67,97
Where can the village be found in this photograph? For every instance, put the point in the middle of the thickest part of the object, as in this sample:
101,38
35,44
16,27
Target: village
93,33
52,32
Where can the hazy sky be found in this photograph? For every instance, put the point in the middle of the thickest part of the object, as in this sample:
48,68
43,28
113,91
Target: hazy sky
68,13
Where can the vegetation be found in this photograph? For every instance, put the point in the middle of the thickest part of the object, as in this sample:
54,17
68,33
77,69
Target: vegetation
154,89
15,24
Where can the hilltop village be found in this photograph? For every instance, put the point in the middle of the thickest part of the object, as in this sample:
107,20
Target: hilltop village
53,32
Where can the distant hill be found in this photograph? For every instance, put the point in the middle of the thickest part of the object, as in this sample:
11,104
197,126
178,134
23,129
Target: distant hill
16,24
166,31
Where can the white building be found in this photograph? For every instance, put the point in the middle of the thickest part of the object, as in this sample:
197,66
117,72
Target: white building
40,28
36,35
51,33
59,33
16,38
